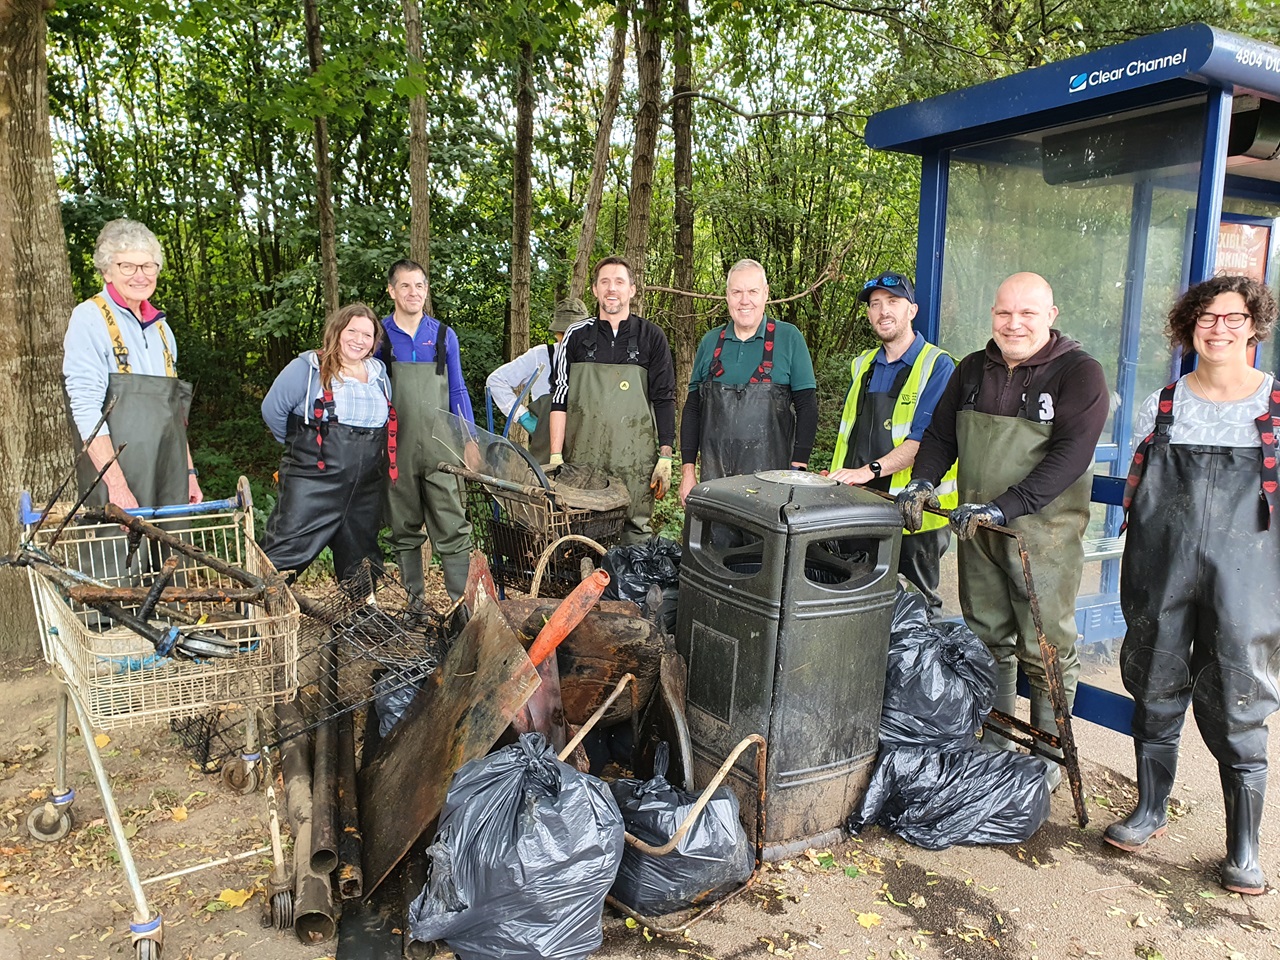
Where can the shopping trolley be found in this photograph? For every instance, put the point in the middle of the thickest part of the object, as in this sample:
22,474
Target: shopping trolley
209,587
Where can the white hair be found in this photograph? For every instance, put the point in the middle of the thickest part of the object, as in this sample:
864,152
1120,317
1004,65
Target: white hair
746,264
122,235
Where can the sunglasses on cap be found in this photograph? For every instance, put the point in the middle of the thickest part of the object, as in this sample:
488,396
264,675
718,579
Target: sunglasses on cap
888,280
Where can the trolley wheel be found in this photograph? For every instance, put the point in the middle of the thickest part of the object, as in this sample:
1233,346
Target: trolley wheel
147,949
47,823
240,776
282,910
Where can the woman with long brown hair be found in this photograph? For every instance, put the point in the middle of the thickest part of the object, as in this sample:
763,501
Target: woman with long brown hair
332,410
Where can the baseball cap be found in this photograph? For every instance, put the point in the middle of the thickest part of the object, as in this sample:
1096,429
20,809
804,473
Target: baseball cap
895,283
568,312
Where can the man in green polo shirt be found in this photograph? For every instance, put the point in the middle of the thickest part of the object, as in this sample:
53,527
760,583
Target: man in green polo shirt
752,398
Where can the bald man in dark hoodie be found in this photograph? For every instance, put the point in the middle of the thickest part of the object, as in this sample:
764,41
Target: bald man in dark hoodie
1022,417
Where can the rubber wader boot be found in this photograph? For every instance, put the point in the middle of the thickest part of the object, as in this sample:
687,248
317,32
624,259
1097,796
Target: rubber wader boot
1157,765
411,576
1006,702
455,568
1242,795
1042,718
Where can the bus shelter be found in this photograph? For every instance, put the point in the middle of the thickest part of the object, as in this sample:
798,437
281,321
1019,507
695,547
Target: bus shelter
1122,176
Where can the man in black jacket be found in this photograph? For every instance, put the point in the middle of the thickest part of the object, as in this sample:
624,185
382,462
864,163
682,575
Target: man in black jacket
1022,417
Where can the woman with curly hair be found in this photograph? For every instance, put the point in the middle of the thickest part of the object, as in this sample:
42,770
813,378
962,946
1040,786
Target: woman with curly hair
1201,566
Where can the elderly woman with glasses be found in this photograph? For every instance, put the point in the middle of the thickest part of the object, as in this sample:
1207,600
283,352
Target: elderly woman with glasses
119,353
1201,567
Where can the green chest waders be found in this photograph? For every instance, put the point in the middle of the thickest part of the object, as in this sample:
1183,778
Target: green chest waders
610,424
540,439
995,453
425,503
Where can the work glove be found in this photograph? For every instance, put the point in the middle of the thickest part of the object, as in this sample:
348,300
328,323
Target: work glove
915,496
529,422
660,481
556,460
968,517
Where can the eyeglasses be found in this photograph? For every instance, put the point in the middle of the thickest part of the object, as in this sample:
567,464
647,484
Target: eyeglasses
885,281
1234,321
149,269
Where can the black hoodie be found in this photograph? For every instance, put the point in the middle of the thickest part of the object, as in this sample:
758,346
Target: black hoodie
1063,386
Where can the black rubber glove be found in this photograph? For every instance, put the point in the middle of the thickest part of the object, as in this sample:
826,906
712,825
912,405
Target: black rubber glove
915,496
968,517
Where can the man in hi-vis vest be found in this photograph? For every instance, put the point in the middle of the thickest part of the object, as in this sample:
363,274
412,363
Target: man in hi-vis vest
891,398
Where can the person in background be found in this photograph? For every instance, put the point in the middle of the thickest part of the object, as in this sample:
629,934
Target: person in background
119,350
330,409
752,401
424,360
535,369
613,404
893,390
1022,418
1200,570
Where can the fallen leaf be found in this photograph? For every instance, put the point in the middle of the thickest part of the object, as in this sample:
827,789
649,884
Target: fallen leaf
178,813
917,901
851,872
101,739
869,920
235,898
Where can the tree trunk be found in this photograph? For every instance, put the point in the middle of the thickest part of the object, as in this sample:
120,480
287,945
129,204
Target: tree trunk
649,68
324,180
522,204
35,300
419,150
684,332
600,164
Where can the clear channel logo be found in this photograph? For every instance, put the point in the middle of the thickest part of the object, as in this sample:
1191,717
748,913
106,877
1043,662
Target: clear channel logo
1134,68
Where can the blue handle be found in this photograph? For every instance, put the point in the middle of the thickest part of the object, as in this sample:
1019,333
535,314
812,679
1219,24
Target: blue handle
488,407
28,514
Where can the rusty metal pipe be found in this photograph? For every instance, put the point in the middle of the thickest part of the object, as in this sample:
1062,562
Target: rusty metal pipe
324,837
313,917
167,570
350,871
595,717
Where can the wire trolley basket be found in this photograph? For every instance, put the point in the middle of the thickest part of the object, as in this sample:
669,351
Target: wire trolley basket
513,525
122,680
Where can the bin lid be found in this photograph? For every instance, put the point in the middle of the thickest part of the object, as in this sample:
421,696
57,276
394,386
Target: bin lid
797,478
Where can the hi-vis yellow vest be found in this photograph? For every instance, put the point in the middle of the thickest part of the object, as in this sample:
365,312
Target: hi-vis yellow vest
904,410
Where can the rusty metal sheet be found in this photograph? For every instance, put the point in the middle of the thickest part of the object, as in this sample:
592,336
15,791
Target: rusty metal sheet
612,640
468,703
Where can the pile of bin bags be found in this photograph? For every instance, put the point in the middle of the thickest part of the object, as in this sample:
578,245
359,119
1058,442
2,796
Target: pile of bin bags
933,784
528,847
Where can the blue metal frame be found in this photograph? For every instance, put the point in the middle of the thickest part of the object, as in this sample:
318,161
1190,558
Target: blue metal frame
935,175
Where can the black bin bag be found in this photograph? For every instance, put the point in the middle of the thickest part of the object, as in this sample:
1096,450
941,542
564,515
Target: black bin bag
938,799
524,856
711,860
636,568
940,682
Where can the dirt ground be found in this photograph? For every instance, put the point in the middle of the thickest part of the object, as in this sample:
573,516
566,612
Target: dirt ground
1062,894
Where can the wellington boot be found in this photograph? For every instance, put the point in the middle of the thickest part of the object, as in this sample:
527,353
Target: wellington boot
455,567
1242,795
1006,702
1042,718
1157,765
411,575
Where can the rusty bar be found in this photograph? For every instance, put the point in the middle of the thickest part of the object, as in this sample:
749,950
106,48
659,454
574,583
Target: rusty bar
83,497
350,872
497,482
1065,740
595,717
92,594
701,913
113,514
71,475
703,800
167,570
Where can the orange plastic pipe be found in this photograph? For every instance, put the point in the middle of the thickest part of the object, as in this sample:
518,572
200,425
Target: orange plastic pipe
568,615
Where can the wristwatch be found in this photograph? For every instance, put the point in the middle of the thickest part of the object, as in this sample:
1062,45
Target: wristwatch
875,468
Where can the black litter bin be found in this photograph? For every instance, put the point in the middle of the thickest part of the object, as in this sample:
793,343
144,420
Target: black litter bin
787,588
